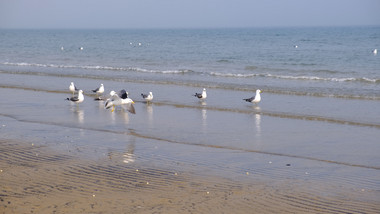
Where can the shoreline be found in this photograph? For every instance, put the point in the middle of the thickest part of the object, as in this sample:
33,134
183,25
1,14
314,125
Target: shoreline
37,179
183,157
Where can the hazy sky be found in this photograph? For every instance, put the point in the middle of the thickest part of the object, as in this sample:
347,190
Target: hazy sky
186,13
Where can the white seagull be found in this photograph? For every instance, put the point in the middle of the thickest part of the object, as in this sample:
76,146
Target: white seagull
148,97
202,95
72,88
120,99
99,90
255,99
77,99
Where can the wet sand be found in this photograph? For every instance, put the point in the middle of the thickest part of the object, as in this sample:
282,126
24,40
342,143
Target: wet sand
36,179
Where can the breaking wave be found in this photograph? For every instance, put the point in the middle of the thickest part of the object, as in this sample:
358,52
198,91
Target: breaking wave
96,67
216,74
329,79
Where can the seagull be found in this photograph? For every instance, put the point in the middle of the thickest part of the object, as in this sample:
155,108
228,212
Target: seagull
148,97
77,99
99,90
202,95
72,88
255,99
374,52
120,99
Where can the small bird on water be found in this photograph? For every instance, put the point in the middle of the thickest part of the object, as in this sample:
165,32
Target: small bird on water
148,97
77,99
255,99
202,95
99,90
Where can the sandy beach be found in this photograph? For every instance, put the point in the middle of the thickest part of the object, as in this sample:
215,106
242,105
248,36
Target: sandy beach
35,179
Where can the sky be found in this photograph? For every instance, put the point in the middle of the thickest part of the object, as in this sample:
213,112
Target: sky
125,14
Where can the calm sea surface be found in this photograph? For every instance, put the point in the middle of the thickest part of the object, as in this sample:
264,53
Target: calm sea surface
332,62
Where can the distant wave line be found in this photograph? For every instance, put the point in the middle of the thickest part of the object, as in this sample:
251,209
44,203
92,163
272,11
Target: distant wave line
330,79
97,67
307,78
218,74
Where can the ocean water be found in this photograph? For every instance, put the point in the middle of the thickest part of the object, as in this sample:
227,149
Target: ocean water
337,62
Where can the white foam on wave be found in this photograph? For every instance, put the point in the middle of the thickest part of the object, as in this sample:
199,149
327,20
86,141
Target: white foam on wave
330,79
232,75
187,71
97,67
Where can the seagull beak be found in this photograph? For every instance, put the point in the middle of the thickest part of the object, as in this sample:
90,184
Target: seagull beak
133,102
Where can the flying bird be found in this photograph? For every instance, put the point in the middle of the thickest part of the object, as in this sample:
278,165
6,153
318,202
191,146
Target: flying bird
202,95
255,99
77,99
147,97
120,99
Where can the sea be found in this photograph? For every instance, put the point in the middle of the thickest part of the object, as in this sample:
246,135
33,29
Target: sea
311,61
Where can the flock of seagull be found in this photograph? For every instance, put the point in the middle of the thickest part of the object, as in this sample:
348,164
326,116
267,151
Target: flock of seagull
121,98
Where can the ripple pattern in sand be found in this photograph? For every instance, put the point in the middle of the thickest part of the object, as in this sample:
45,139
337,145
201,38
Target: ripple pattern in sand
37,180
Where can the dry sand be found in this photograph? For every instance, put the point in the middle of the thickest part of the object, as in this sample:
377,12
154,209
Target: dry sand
36,179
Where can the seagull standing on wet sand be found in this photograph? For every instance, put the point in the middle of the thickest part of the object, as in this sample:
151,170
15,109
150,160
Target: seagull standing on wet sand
148,97
72,88
77,99
99,90
255,99
202,95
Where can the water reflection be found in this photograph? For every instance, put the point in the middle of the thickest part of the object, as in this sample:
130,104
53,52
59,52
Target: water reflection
125,117
257,116
129,154
78,113
149,110
101,104
119,115
258,124
204,120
